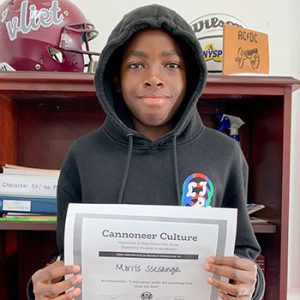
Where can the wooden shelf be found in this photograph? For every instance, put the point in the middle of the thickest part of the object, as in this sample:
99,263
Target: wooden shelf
47,111
34,226
44,226
264,228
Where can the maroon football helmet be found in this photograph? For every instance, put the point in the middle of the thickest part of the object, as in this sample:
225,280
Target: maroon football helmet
44,35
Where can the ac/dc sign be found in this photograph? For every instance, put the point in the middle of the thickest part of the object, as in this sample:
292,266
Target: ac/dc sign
245,51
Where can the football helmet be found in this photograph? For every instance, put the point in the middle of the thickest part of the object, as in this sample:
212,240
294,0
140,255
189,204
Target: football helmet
44,35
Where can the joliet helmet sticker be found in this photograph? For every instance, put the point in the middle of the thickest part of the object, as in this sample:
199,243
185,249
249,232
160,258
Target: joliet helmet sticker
197,190
31,19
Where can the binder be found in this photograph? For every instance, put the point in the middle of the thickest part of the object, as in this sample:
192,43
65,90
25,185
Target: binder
28,185
28,204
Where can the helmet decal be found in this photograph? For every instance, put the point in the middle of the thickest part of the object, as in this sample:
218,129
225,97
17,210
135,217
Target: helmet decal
45,17
197,190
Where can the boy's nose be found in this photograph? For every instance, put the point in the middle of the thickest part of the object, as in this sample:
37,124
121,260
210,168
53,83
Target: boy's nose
153,82
153,79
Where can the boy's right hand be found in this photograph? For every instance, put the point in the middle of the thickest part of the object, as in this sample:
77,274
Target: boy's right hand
49,283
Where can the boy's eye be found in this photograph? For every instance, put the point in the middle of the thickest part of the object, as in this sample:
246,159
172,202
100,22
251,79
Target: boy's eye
173,65
135,66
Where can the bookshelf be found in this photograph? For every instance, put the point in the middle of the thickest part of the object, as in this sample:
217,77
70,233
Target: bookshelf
42,113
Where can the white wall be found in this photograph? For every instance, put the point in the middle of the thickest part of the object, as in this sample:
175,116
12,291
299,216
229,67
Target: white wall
294,234
281,20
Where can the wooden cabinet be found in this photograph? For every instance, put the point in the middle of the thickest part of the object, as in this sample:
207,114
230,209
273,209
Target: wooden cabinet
42,113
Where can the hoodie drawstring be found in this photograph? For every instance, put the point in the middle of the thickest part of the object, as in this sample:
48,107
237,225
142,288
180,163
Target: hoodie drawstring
126,170
176,170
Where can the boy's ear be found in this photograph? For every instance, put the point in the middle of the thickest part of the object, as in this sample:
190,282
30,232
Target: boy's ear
117,84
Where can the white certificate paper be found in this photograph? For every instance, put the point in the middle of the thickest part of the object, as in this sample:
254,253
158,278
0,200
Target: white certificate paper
132,252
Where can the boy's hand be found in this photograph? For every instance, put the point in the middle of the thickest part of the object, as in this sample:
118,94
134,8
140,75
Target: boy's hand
48,282
241,272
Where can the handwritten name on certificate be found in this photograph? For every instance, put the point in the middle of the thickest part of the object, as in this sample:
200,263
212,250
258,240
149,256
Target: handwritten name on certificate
132,252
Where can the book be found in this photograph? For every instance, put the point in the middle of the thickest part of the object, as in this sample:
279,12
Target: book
255,220
28,204
28,218
28,185
253,207
261,261
21,170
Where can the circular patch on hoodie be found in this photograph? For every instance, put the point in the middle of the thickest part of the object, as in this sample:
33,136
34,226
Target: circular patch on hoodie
197,190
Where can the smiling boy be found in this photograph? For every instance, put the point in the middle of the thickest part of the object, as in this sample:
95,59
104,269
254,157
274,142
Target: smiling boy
153,143
153,81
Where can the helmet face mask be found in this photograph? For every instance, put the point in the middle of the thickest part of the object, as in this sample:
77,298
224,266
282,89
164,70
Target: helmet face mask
44,35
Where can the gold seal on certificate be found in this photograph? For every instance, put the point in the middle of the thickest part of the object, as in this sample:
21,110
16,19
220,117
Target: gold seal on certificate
143,252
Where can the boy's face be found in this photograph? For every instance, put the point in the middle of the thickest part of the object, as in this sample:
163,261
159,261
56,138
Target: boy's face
153,81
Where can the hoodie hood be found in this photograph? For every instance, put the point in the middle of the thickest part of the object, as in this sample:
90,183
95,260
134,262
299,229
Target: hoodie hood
149,17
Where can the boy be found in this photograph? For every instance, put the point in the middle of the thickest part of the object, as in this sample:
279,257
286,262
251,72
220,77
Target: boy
149,78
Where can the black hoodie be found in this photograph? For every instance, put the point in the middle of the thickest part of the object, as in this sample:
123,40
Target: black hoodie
116,164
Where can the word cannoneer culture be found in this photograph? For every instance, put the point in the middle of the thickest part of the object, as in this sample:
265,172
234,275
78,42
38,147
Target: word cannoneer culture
149,236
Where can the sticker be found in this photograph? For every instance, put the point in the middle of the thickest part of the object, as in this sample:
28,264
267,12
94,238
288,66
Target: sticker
197,190
32,19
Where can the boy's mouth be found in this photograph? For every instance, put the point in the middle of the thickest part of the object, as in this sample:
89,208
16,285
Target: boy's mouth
154,99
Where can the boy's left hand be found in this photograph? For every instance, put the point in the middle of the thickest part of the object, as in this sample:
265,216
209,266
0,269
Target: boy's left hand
241,272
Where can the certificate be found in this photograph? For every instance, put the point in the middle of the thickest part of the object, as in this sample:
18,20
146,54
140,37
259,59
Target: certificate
132,252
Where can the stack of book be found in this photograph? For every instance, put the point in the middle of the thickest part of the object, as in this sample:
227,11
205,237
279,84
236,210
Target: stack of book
261,261
28,193
253,208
